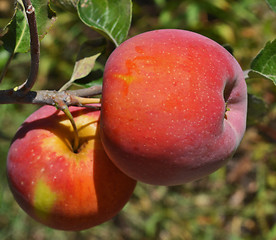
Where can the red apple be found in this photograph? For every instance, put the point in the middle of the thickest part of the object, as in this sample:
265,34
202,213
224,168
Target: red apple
173,108
58,187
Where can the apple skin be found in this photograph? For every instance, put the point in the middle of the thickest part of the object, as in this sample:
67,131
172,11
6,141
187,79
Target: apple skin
164,118
57,187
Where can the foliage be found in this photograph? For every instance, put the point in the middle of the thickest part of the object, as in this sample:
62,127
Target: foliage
18,37
238,201
264,63
111,18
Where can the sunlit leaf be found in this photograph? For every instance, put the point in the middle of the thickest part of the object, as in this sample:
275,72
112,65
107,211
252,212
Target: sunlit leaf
111,18
86,59
95,77
264,65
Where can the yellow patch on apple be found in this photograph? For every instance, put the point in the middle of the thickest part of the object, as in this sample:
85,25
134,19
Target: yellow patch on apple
86,129
44,199
127,78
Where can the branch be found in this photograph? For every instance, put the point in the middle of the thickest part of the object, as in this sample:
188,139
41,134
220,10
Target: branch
35,49
23,93
46,97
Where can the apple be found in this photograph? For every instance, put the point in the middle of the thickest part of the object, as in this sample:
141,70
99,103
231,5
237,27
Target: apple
58,187
174,106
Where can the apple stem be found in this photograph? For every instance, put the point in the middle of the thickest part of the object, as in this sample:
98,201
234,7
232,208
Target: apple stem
84,101
76,143
63,107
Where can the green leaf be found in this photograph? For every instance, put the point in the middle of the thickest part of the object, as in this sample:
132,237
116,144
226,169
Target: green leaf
69,5
87,56
94,78
112,18
257,75
89,84
272,4
264,65
18,37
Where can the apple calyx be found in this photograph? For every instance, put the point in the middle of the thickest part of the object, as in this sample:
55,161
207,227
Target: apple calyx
227,109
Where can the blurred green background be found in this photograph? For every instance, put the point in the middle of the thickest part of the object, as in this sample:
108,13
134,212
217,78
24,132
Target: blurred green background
238,202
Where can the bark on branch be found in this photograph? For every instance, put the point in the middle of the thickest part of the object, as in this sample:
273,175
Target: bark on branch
47,97
23,93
